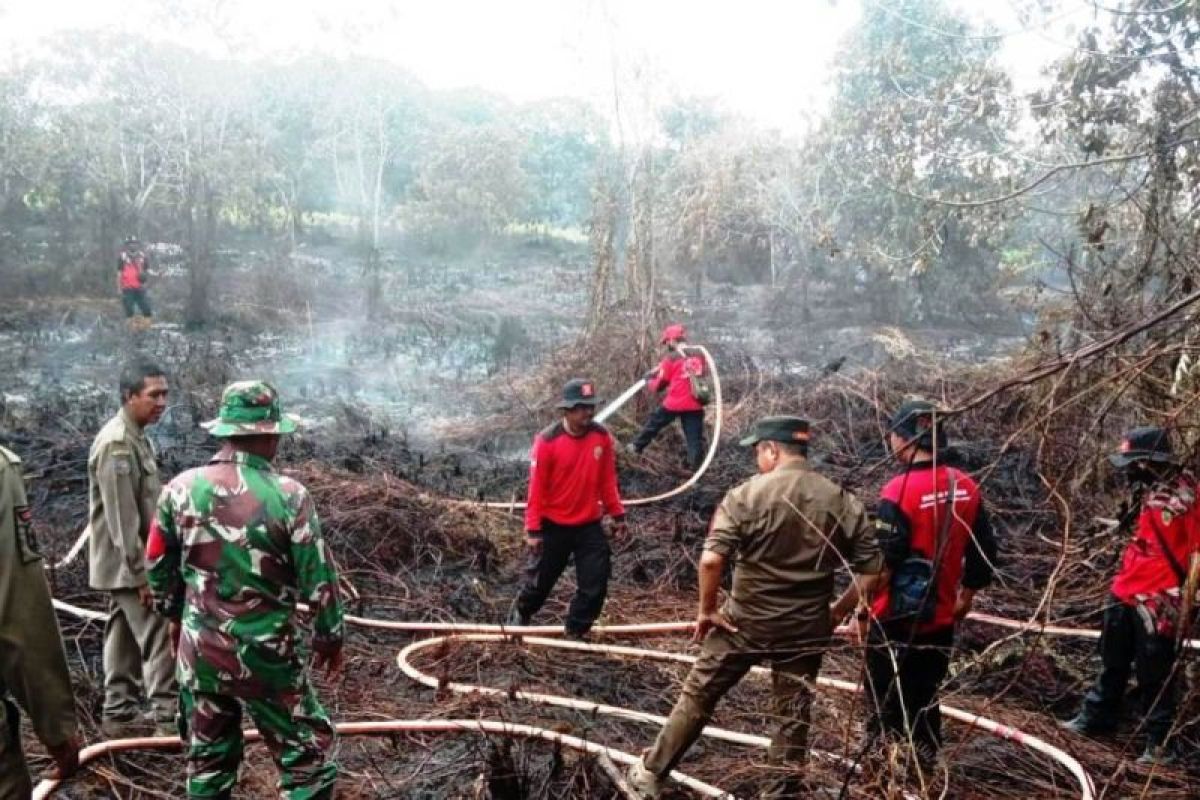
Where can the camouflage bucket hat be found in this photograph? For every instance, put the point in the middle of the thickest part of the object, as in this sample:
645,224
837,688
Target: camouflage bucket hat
249,408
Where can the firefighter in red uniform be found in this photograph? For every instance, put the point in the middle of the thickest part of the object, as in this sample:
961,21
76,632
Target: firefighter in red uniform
675,374
572,486
939,551
1141,622
132,266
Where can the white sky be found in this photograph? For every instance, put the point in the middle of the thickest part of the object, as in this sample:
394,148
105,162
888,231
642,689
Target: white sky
766,60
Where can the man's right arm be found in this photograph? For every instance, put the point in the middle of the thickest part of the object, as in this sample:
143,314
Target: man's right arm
163,554
539,471
115,467
662,376
721,545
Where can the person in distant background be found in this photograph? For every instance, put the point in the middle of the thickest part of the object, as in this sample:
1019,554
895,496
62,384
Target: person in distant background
674,375
132,267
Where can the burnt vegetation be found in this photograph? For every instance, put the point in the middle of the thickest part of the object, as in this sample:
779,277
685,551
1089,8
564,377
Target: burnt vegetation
418,271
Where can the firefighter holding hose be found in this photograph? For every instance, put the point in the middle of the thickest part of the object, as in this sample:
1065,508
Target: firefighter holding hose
683,379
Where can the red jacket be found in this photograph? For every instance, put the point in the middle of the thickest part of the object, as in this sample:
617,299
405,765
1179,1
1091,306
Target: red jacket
1170,510
673,374
572,479
910,520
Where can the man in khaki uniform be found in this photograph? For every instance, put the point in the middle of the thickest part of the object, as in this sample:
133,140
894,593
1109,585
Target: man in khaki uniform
123,491
788,529
33,666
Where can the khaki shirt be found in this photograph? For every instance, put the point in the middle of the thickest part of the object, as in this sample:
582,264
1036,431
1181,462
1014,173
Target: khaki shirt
123,488
33,666
788,530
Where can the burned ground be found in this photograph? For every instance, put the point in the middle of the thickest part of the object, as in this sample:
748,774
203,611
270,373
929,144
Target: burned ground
397,429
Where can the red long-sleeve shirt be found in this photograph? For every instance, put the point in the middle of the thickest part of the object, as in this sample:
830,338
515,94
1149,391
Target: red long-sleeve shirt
672,375
572,479
1145,569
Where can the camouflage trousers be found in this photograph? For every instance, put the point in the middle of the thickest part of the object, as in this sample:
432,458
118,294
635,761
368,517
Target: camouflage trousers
294,727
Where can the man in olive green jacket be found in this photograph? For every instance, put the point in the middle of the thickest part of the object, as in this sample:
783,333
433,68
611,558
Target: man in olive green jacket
33,666
787,530
124,485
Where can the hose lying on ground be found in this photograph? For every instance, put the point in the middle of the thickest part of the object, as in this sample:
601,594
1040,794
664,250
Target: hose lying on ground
533,635
377,728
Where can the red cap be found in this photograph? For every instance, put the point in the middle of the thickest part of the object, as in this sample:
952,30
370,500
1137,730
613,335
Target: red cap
673,333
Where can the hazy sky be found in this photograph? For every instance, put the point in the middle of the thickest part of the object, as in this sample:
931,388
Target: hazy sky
767,60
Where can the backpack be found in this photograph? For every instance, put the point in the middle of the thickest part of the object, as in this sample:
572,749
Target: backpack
913,595
701,391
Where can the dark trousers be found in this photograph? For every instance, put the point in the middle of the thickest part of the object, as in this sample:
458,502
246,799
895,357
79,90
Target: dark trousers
904,672
692,423
593,565
1126,646
135,300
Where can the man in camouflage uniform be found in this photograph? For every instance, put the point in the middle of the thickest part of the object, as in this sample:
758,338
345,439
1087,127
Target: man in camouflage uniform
33,666
234,547
123,486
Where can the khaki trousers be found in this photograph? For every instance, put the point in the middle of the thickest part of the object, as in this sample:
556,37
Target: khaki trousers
137,653
724,659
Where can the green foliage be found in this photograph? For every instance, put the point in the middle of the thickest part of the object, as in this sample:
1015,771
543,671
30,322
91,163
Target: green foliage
116,134
922,111
470,186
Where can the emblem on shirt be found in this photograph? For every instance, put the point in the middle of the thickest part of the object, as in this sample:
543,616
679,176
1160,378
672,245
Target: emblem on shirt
121,466
597,451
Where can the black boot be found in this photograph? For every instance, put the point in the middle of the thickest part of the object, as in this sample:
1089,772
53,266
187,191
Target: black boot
1086,724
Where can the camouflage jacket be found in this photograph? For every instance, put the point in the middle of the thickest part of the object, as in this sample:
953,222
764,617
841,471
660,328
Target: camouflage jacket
233,548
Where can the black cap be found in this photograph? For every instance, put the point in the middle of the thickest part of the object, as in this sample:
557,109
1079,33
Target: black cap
918,418
777,429
1147,443
578,392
